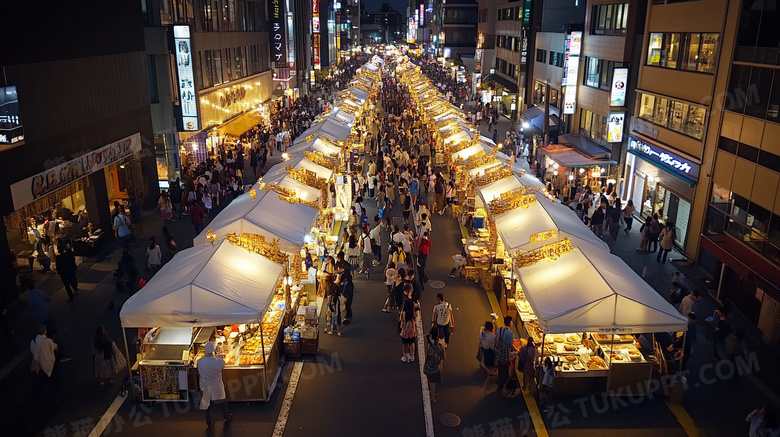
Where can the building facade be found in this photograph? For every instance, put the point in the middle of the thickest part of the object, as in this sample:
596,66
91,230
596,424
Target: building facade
78,132
454,27
209,68
674,119
736,215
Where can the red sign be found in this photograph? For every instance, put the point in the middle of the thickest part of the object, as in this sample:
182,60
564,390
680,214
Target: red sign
316,50
315,6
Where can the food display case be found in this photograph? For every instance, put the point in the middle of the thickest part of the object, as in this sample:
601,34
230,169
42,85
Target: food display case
580,354
163,364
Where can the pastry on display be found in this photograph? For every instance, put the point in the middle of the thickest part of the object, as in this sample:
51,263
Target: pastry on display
573,338
570,358
245,360
559,339
596,363
569,347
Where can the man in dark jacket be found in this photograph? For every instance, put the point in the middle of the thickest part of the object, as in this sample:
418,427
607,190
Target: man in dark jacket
66,267
344,282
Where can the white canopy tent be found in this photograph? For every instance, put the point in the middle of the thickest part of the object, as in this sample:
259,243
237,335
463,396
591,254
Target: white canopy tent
587,291
516,226
335,129
342,116
205,286
267,215
480,170
317,143
471,151
496,189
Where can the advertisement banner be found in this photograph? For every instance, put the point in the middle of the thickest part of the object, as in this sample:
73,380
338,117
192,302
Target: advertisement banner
575,43
316,51
615,126
411,30
572,67
421,16
617,96
33,188
186,84
276,15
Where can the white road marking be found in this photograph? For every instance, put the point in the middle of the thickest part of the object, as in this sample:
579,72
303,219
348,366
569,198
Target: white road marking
108,416
424,379
284,413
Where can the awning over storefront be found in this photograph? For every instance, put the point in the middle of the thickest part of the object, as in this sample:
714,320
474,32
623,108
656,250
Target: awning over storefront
503,82
569,157
538,122
585,145
240,124
741,258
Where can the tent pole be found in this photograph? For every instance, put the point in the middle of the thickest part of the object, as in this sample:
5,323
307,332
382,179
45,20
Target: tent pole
129,366
685,338
266,390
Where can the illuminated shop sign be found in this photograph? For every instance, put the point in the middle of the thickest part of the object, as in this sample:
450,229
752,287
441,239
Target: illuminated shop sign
617,96
278,38
616,126
572,65
186,84
669,161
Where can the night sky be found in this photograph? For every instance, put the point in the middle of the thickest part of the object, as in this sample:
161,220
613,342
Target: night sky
375,5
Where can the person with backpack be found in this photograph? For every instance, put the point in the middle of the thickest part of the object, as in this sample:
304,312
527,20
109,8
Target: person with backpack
366,250
443,319
504,348
434,359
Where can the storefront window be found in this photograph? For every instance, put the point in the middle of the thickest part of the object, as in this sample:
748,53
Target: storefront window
679,111
655,47
671,50
694,124
709,46
692,51
646,106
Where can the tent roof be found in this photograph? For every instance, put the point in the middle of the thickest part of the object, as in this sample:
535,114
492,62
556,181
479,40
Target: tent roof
205,286
516,226
319,144
343,116
267,215
592,291
472,150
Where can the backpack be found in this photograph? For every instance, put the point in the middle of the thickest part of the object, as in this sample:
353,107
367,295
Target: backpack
443,316
432,360
502,349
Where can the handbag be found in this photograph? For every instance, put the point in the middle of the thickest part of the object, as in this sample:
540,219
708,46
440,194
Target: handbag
119,358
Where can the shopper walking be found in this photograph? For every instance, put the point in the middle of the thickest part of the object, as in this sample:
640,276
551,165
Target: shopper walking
210,370
443,319
197,216
597,221
655,231
347,290
628,216
526,361
107,360
614,218
548,379
667,237
504,356
434,360
44,351
66,267
153,256
487,350
408,331
390,276
423,250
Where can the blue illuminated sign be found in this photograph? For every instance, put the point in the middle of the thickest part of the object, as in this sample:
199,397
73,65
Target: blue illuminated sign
671,162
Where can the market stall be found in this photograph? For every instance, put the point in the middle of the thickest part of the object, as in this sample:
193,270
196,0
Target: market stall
198,296
584,306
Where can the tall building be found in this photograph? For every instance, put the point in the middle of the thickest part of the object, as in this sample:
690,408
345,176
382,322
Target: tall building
735,218
611,40
209,67
348,23
454,23
385,26
75,125
674,119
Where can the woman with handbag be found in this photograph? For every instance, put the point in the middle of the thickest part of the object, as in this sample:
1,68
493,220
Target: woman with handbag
487,351
434,358
106,357
408,331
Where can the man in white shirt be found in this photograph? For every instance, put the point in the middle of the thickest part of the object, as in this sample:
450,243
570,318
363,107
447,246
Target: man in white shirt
376,236
122,227
366,250
210,371
689,303
44,353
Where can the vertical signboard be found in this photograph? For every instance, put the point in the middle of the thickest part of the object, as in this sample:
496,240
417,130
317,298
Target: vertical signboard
411,30
315,12
186,78
615,126
617,95
572,69
278,39
421,16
